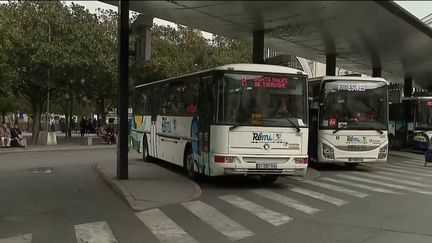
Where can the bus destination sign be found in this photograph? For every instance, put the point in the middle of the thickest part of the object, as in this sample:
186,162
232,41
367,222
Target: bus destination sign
266,82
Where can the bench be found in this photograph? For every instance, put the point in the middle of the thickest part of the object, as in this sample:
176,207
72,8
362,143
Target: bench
92,140
15,144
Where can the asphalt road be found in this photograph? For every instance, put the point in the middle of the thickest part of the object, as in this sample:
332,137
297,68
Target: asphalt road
63,200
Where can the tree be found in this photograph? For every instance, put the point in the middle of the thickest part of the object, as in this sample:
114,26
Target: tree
36,30
176,51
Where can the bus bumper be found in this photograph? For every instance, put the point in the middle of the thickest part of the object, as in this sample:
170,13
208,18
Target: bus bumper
255,165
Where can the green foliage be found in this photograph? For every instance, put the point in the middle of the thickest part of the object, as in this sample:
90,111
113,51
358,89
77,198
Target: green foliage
185,50
47,46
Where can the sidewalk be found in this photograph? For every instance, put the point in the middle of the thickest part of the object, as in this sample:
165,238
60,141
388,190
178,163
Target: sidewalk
47,148
149,185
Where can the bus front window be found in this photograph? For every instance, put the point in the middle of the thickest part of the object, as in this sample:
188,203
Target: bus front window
354,105
267,100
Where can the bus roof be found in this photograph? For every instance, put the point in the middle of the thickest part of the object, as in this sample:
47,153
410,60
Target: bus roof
242,67
348,78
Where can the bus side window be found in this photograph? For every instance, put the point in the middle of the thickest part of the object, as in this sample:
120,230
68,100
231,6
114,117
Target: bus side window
190,97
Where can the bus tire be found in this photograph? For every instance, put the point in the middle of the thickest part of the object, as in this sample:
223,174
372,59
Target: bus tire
145,151
188,163
269,178
351,165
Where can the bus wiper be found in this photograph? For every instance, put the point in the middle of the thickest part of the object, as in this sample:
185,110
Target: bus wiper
294,125
380,132
232,127
340,128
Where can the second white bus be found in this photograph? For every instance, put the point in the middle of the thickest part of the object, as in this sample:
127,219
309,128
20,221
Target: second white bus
348,118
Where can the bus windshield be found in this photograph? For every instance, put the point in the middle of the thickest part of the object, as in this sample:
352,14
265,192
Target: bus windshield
262,99
424,115
355,104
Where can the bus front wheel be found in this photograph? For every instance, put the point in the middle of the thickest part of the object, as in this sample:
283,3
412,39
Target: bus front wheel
351,165
269,178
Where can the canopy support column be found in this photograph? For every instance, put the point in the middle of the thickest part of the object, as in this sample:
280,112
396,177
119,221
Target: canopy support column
408,87
376,72
258,47
122,91
330,64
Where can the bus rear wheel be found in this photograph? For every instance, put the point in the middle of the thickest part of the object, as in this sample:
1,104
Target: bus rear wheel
351,165
188,164
269,178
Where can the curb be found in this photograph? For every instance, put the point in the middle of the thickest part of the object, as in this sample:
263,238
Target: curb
128,197
116,187
55,149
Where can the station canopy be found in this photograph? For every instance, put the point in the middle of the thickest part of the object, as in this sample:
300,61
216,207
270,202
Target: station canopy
362,34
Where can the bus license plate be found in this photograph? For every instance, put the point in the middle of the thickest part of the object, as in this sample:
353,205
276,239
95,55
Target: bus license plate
265,166
355,159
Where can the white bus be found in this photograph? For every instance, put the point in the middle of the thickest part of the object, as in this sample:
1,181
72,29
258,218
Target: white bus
244,119
348,119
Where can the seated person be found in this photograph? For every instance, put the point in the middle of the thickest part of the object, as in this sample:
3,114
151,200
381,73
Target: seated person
16,136
5,136
107,133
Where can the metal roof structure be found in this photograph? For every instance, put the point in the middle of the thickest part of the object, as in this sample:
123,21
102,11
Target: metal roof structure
362,34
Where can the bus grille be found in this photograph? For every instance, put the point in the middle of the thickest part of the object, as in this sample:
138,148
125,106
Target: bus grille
356,148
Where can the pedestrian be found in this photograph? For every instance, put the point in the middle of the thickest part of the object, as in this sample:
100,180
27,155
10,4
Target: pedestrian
17,136
5,136
82,125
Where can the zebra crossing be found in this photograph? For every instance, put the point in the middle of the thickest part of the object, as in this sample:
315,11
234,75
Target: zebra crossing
272,207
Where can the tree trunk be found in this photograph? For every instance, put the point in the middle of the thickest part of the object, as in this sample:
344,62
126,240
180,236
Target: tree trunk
36,109
69,130
67,120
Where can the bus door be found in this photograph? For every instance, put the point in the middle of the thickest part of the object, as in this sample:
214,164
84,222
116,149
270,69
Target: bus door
154,111
314,90
205,109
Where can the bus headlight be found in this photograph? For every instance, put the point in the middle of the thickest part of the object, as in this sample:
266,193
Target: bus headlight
328,152
383,152
384,149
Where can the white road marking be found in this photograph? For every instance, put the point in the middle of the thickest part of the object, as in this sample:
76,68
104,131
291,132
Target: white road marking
398,175
407,172
218,220
261,212
409,166
412,161
287,201
411,183
414,169
27,238
164,228
95,232
337,188
320,196
353,184
400,187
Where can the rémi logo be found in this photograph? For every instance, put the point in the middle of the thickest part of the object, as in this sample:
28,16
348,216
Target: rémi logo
262,137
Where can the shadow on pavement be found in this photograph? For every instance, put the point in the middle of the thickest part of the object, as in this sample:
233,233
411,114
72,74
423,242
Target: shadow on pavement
339,167
222,182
